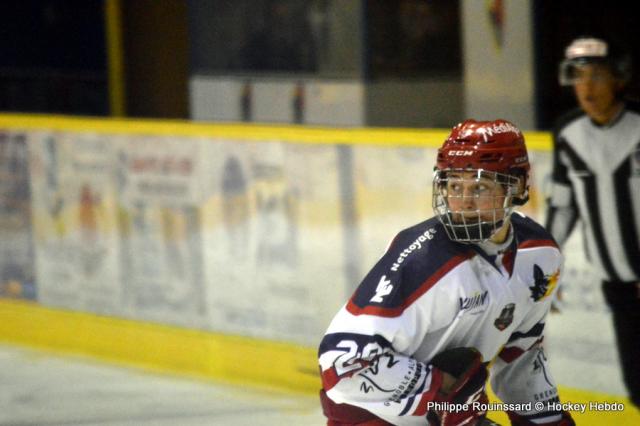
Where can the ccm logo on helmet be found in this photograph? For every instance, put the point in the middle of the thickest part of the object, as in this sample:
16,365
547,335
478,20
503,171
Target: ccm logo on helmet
461,153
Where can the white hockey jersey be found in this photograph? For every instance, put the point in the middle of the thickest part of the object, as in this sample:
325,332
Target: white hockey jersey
428,294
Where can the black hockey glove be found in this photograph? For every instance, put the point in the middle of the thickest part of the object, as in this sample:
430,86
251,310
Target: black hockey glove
465,385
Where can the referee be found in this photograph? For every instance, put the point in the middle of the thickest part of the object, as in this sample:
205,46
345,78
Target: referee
596,178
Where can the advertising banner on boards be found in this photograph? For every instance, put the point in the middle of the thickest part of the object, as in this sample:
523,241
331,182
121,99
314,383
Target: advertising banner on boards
272,237
74,217
17,273
159,229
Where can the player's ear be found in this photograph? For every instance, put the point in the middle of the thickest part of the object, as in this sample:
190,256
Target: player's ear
520,192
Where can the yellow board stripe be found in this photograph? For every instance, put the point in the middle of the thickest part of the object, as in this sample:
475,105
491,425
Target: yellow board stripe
161,348
233,359
251,132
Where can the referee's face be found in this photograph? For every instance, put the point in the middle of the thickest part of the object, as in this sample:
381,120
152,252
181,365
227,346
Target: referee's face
596,89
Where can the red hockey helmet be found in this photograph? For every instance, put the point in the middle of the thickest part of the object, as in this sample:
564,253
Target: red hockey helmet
496,146
495,152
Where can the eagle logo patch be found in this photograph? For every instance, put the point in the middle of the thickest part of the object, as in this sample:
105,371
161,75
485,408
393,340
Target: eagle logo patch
543,285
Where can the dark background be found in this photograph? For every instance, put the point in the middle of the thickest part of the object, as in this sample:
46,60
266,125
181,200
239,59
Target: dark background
53,53
557,22
52,57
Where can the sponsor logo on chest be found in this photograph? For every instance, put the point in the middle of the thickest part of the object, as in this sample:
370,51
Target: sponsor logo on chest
475,301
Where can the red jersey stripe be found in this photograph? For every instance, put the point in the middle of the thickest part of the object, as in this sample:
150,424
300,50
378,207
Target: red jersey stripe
537,243
422,289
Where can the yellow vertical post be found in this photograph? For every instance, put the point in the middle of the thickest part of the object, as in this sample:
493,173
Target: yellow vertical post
115,57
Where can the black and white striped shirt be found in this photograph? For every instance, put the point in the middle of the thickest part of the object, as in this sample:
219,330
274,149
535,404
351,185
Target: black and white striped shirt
596,178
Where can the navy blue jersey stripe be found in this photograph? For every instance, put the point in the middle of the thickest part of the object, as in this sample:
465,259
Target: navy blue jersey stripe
417,255
527,229
330,341
397,310
535,331
409,403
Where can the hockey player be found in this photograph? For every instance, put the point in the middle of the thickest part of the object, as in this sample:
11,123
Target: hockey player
453,297
596,171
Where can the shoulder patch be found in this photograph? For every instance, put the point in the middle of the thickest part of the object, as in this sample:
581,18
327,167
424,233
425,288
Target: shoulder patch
543,285
416,260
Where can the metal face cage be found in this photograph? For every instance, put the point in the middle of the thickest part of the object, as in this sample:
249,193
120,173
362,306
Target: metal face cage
473,204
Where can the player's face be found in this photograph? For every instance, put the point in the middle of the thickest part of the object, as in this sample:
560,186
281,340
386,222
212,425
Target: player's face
472,198
595,88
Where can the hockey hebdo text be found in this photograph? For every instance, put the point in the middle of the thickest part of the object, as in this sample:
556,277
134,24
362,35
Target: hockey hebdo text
526,407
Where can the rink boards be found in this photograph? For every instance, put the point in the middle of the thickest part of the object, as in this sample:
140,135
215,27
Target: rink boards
224,250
